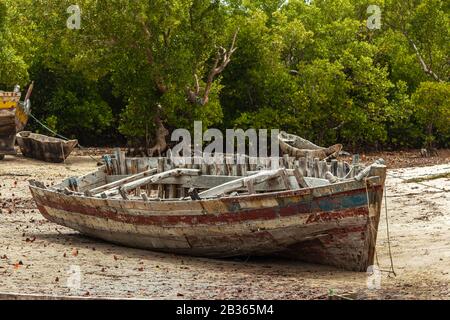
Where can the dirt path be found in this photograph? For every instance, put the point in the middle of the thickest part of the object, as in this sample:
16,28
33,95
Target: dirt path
38,257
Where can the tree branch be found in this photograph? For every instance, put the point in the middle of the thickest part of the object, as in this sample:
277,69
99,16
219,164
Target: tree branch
162,88
223,58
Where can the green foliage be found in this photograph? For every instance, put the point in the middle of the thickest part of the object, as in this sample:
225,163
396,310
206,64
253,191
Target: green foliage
13,69
311,69
70,104
432,103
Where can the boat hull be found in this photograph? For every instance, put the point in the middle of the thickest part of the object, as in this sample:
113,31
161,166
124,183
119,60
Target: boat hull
44,148
334,225
12,120
298,147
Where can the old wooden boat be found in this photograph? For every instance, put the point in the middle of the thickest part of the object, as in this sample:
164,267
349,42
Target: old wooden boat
13,118
298,147
41,147
147,203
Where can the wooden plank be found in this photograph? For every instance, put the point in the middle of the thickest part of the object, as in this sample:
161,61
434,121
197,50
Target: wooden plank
316,168
334,166
158,177
323,168
285,179
250,186
204,182
115,165
330,177
286,161
181,192
300,179
144,196
302,166
340,169
122,181
309,167
161,168
172,191
239,183
365,173
123,169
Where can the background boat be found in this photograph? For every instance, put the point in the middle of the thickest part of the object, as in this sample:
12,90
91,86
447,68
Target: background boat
298,147
13,118
41,147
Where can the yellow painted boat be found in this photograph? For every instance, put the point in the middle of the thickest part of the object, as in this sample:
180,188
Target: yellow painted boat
13,118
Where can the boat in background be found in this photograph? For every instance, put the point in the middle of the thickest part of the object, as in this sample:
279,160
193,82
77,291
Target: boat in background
13,118
298,147
319,216
41,147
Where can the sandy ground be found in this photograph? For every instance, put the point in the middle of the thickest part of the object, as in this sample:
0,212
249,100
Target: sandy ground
39,257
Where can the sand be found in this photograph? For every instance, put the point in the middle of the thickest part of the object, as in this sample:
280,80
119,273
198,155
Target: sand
39,257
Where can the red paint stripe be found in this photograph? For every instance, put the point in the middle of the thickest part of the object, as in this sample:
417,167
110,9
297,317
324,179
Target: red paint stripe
209,219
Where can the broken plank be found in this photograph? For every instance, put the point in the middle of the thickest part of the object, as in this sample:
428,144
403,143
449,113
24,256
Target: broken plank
122,181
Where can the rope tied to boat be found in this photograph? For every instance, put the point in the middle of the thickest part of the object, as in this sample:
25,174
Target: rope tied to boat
374,231
59,136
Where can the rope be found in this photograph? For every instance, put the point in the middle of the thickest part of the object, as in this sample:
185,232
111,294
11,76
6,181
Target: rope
58,135
374,231
48,129
418,182
388,233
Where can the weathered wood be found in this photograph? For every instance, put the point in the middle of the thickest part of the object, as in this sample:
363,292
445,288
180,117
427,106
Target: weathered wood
365,173
108,164
250,186
115,166
323,169
239,183
154,179
298,147
144,196
334,223
302,166
285,179
123,181
300,179
172,191
316,167
340,169
309,167
161,168
334,166
330,177
117,158
286,161
41,147
181,192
